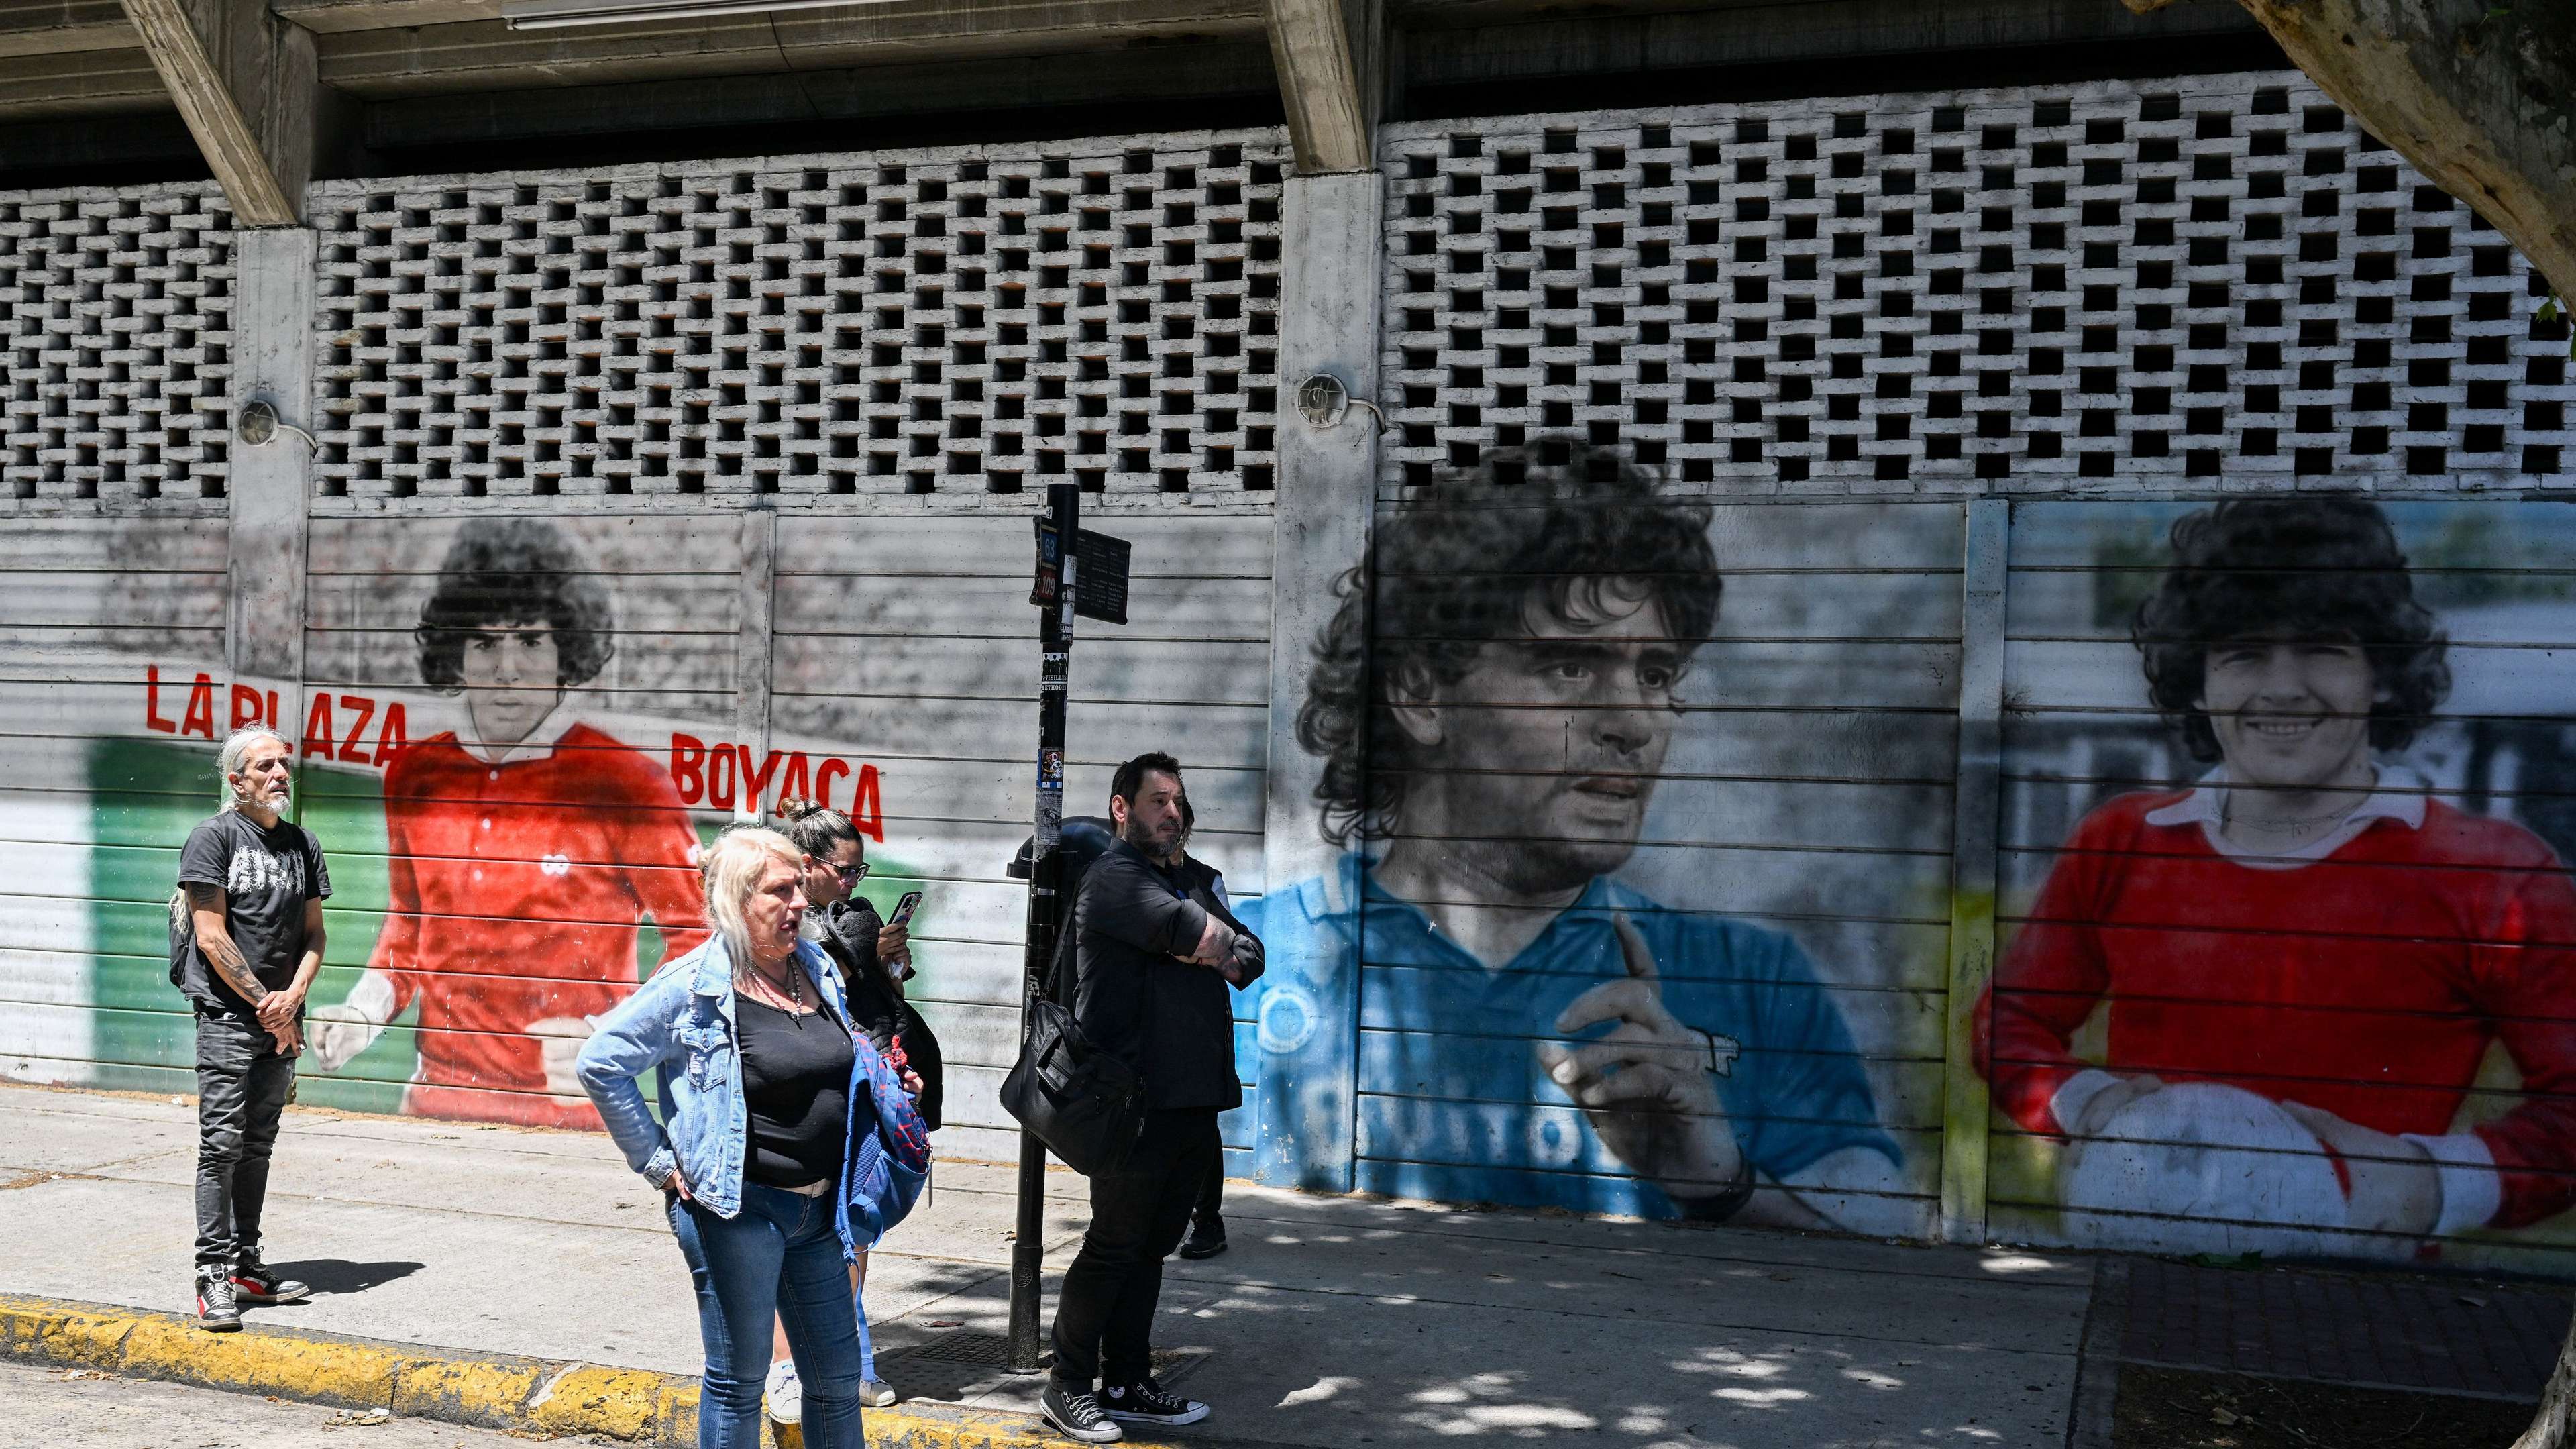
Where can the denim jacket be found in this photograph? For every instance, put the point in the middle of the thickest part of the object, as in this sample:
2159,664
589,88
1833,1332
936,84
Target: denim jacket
681,1025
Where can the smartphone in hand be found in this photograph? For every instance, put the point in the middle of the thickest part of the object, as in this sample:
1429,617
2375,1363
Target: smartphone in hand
904,908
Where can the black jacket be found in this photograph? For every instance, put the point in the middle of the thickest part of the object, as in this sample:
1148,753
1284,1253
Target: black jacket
848,931
1169,1018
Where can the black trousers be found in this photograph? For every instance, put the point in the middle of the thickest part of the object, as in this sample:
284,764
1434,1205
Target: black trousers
242,1085
1104,1317
1207,1216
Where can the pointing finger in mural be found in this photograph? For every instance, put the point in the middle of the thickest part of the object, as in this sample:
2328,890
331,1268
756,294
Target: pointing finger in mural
1633,950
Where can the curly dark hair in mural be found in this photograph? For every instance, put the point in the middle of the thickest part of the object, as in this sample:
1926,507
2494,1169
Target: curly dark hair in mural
2313,568
1447,581
514,571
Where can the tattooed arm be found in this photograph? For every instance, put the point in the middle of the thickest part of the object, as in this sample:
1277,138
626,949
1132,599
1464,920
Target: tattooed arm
207,913
215,941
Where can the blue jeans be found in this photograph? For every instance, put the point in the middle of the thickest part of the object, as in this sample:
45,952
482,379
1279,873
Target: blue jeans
777,1258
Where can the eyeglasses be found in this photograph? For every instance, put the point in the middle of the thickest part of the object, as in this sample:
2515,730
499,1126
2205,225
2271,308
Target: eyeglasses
851,874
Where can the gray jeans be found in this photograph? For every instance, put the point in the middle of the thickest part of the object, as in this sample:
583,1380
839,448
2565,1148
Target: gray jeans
242,1085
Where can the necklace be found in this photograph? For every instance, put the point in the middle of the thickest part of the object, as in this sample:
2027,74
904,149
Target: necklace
790,986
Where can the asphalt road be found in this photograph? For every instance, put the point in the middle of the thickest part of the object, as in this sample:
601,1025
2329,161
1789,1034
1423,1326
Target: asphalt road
79,1409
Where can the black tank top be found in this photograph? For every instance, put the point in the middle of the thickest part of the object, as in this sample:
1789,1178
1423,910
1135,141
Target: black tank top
796,1087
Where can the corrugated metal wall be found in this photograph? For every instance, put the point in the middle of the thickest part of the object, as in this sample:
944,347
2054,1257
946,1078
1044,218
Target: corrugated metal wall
1660,890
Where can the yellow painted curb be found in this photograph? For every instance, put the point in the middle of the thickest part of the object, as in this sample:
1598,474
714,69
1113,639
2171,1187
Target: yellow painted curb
636,1406
587,1399
488,1390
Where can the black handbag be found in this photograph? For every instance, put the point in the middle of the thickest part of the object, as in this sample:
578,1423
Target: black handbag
1081,1100
1084,1103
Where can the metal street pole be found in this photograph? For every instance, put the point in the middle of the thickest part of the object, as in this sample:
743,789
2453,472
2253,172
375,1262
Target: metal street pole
1046,871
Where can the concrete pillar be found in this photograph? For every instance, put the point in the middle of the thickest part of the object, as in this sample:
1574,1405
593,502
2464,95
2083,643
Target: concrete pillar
753,667
270,484
1975,847
1331,284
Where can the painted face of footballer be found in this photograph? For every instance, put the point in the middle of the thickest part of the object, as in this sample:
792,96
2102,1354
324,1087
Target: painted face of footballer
513,679
2291,714
1562,734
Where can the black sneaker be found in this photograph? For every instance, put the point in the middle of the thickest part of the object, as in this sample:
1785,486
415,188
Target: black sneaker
1077,1416
1204,1243
1147,1402
254,1284
217,1310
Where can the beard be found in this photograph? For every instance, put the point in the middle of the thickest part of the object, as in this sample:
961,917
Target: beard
1544,867
1146,838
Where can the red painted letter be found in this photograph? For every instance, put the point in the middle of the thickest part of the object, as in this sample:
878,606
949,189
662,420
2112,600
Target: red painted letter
200,716
720,777
754,784
688,758
395,737
152,719
366,708
318,728
245,706
866,811
823,781
793,784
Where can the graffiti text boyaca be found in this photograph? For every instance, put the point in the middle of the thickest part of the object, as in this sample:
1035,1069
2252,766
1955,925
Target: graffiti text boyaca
721,776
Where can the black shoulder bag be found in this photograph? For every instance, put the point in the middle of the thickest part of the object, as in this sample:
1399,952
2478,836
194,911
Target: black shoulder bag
1075,1096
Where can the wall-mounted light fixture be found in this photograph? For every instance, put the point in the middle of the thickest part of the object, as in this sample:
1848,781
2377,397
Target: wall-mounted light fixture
561,14
1325,400
259,424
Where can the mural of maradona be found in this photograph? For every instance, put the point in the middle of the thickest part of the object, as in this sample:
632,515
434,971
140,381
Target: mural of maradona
1532,1029
526,849
2306,957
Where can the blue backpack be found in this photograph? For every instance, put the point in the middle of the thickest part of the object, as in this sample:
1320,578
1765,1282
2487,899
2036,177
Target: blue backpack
888,1166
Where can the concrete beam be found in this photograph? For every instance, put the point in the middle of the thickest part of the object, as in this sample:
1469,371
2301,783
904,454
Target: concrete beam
62,27
488,55
1331,59
244,82
1454,42
81,151
1160,75
83,83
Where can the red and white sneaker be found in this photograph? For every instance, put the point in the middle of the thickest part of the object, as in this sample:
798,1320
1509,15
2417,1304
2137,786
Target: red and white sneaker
257,1286
217,1312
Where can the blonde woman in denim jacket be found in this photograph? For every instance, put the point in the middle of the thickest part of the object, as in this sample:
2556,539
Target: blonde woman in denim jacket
788,1144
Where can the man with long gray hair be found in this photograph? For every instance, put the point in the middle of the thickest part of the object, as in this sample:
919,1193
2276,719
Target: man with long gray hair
245,944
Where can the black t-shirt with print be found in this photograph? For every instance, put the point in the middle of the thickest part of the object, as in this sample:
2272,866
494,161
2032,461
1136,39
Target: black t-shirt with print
267,876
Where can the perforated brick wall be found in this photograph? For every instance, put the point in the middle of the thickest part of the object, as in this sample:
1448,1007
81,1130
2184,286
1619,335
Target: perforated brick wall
2114,285
948,323
115,346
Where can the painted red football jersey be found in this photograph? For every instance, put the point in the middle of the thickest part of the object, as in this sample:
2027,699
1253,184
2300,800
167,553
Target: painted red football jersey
518,891
2369,983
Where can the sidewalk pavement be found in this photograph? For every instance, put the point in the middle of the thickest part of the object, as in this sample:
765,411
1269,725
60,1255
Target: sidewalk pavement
1332,1322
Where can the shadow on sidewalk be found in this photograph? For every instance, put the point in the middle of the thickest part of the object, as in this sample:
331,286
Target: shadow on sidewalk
333,1276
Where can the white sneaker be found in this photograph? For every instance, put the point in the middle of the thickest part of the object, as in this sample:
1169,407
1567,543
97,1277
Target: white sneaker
876,1393
786,1396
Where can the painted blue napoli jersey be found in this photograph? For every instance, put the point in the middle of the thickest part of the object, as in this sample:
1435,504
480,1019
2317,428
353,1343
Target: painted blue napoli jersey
1453,1102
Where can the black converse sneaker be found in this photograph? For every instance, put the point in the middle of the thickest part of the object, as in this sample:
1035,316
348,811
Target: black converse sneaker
1147,1402
254,1284
1077,1416
217,1312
